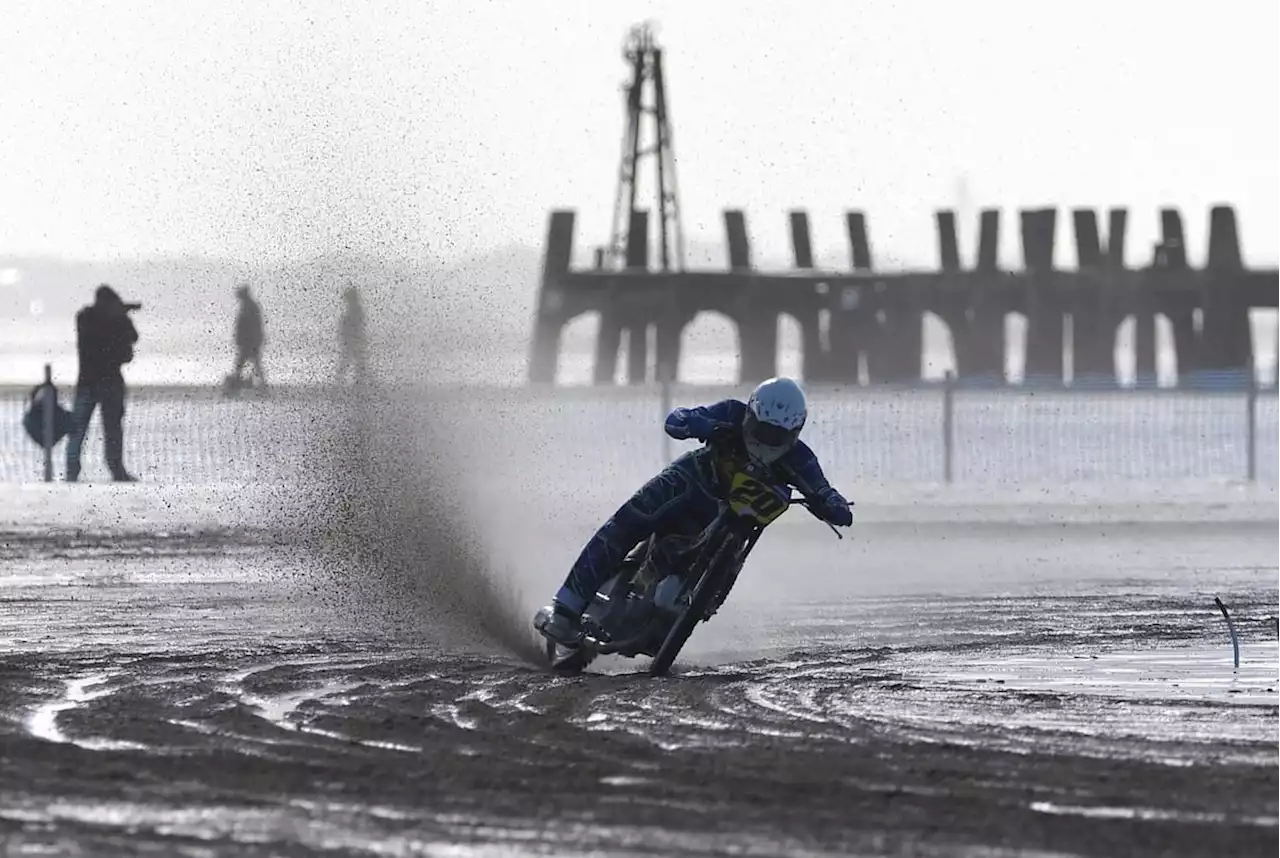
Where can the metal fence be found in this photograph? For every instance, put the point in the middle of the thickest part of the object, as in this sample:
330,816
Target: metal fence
910,435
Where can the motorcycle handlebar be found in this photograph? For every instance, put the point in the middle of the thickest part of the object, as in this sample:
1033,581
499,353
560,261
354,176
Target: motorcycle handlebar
801,500
804,501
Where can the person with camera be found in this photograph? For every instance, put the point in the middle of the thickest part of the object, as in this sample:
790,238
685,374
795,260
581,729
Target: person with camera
105,336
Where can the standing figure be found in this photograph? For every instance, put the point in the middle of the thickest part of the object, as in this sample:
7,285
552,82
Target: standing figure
352,341
105,336
250,337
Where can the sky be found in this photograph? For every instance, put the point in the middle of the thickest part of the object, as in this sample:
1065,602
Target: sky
269,132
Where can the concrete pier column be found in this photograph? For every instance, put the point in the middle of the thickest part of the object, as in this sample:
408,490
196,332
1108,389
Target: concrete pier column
549,319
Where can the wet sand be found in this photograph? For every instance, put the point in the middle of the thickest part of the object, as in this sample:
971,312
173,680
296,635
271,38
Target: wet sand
197,689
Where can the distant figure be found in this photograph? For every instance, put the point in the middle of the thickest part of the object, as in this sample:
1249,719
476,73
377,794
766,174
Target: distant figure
250,337
104,343
353,345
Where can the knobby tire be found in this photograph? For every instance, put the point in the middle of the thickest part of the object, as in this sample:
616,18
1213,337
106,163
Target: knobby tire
694,613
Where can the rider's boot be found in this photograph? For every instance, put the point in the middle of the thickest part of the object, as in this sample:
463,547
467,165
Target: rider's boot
559,624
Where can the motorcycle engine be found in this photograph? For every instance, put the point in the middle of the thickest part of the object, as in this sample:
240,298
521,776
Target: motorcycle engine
666,593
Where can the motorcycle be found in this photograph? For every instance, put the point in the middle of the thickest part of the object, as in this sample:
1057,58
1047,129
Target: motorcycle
636,613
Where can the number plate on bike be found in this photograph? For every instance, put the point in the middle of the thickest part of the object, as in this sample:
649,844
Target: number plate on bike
751,498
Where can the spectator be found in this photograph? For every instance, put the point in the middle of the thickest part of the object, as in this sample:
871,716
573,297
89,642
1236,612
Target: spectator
105,336
353,345
250,337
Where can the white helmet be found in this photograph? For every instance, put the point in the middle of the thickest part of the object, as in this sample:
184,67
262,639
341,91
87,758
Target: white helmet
776,413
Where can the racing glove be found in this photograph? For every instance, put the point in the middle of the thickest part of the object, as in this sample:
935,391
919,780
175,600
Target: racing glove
686,423
835,508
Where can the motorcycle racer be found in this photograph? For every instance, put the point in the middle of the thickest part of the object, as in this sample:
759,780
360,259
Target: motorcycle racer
685,496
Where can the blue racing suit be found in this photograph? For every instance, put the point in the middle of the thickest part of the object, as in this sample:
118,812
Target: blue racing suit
685,497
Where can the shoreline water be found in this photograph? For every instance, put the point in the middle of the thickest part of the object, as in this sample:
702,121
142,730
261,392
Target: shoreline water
185,351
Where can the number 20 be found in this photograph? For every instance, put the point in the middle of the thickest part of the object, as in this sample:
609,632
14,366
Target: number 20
758,497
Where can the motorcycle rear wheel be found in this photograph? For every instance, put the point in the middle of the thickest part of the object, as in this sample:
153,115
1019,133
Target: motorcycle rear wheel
564,660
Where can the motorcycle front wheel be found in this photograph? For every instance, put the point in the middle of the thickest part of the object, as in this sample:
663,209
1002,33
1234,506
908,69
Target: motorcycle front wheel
695,610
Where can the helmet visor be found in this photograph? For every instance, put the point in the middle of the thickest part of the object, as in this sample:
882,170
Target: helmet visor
769,435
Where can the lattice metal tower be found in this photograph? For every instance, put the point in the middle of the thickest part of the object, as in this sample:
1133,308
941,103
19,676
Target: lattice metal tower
645,59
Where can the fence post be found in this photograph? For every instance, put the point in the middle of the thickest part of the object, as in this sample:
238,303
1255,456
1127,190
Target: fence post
666,409
48,406
1251,427
948,426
